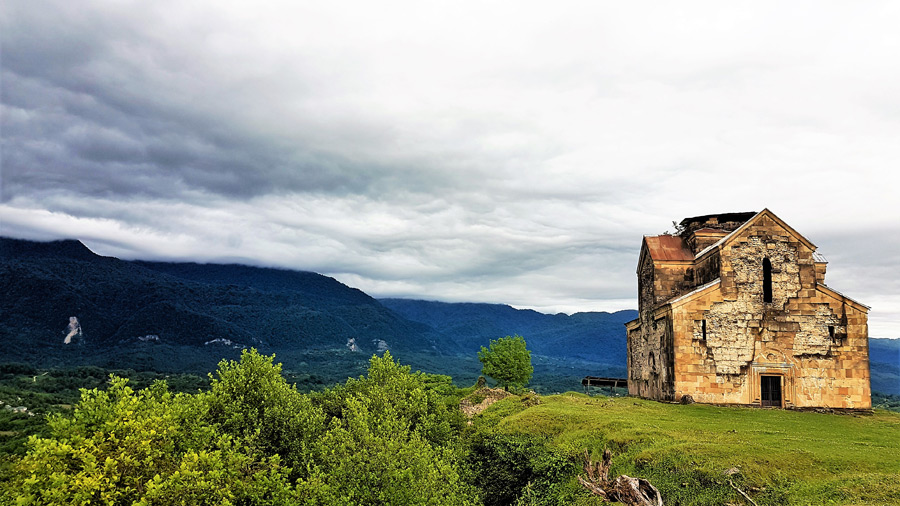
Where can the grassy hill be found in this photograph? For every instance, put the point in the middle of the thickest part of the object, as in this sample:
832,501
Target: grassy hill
691,452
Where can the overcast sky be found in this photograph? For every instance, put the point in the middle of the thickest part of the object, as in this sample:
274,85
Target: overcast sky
510,152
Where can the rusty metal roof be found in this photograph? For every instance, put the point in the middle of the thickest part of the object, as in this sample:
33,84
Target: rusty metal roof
668,247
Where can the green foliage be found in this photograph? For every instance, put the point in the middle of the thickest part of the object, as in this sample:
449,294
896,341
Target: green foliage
392,436
508,361
389,437
886,401
375,458
251,401
125,447
45,392
513,467
391,392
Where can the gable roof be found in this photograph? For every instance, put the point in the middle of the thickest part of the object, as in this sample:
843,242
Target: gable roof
667,248
765,212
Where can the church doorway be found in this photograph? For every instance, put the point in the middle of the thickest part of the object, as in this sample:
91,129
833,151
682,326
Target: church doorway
770,388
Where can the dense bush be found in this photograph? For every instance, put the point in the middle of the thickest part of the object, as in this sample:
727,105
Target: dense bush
507,466
390,390
386,438
148,447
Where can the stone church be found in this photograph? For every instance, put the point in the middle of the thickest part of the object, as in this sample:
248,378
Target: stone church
734,309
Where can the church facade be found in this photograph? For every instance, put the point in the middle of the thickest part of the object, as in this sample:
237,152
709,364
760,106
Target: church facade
734,309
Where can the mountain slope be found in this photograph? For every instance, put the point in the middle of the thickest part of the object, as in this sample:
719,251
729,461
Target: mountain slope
884,365
594,336
130,304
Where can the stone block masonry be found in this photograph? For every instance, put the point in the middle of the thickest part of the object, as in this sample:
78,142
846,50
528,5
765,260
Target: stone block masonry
735,310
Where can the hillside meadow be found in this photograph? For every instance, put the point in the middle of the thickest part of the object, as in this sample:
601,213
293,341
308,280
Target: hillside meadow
691,452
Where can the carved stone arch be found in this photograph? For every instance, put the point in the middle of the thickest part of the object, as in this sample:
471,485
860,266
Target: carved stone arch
771,356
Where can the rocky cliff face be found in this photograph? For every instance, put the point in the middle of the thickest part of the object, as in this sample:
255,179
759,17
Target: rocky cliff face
73,330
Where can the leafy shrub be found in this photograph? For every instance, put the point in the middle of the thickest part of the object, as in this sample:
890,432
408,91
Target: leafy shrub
506,466
507,360
390,390
386,438
125,447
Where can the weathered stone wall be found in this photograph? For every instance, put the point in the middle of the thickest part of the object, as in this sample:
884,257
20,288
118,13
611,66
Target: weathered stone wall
646,290
838,377
699,240
650,357
815,341
707,269
672,280
709,368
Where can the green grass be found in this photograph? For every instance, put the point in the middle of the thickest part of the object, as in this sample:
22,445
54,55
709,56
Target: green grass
782,457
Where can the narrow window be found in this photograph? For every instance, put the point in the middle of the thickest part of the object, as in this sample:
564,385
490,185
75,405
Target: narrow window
767,280
703,328
831,332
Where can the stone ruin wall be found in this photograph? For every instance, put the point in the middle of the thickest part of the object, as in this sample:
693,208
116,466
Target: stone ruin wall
840,377
650,345
650,365
793,330
713,223
707,269
646,279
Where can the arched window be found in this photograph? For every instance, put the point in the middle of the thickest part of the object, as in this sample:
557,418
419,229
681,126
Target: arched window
767,280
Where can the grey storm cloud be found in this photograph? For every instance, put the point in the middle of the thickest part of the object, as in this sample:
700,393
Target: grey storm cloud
500,152
111,104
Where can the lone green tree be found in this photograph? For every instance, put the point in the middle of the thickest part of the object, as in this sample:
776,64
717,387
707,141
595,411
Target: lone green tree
507,360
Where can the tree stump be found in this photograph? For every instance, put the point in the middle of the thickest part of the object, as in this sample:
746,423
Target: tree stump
624,489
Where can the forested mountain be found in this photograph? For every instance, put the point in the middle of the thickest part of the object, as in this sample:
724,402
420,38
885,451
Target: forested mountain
884,364
595,336
125,306
186,316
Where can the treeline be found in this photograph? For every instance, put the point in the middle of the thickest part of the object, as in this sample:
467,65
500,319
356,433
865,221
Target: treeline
389,437
886,401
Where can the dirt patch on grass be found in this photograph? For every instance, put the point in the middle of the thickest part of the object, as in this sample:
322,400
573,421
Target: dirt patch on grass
480,399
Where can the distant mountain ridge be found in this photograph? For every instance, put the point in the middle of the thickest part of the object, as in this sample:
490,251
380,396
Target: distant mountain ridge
594,336
884,365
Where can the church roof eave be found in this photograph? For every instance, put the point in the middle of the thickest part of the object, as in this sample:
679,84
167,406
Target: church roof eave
702,289
827,290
